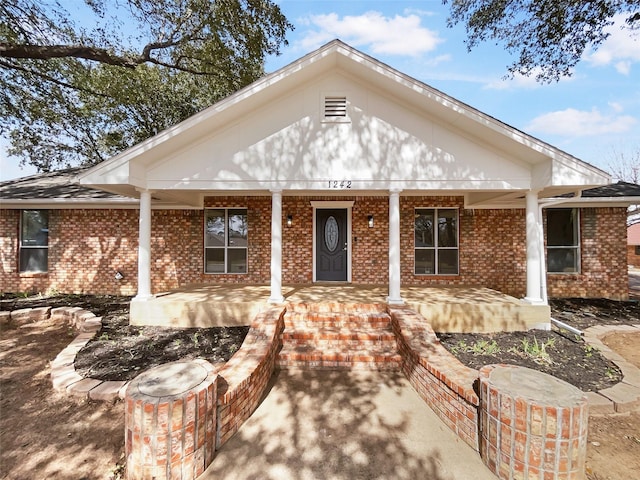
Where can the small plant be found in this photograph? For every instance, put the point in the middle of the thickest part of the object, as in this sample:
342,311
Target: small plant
589,350
196,339
104,337
461,346
485,347
481,347
611,373
51,292
537,351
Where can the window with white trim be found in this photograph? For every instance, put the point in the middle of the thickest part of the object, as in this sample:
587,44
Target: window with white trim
563,240
225,240
34,240
436,241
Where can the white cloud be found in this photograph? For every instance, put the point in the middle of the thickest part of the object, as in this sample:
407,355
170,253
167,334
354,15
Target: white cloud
398,35
621,49
518,81
580,123
522,82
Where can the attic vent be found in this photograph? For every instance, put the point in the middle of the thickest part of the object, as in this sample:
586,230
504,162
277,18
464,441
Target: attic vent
335,106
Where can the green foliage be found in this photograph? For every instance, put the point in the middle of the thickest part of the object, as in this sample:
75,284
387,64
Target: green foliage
77,92
549,37
481,347
537,351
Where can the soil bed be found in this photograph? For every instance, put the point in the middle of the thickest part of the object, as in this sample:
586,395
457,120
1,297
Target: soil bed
563,356
559,353
121,352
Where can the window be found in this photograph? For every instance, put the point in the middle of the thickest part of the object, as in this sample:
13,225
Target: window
34,240
436,241
637,249
225,240
563,242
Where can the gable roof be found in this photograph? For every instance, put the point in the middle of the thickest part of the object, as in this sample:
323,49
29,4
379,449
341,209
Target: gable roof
174,163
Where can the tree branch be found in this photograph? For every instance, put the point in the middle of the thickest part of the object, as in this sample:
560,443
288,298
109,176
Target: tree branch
49,78
46,52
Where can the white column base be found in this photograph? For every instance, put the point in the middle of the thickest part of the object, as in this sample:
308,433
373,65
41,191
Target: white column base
143,298
534,301
395,301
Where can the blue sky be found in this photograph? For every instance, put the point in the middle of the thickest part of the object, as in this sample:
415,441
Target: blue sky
594,114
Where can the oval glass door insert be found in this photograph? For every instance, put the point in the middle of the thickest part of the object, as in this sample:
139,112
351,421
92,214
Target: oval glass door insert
331,234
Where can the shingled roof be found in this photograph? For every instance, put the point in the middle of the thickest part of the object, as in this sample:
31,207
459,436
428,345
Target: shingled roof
620,189
61,184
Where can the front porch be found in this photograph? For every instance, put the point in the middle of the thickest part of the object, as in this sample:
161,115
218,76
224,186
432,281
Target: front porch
451,309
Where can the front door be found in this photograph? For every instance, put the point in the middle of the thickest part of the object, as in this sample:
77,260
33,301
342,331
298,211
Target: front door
331,245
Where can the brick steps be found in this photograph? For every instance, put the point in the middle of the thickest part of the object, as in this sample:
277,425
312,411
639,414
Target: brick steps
328,320
338,337
333,358
328,335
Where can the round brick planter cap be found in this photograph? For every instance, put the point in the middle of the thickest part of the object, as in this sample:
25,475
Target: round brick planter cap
526,383
171,379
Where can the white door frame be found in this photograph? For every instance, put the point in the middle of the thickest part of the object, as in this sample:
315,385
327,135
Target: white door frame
326,205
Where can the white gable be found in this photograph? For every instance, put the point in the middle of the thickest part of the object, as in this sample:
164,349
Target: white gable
397,133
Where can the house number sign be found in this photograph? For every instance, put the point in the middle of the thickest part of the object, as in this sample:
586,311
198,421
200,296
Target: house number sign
339,184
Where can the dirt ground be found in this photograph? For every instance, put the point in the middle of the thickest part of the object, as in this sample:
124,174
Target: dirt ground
46,435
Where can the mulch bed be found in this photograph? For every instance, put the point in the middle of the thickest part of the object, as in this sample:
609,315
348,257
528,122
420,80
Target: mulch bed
120,351
562,355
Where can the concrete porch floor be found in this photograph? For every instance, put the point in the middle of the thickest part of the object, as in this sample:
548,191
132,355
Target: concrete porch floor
452,309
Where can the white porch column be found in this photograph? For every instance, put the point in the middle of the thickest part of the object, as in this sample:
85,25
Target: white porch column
394,248
276,247
144,247
534,250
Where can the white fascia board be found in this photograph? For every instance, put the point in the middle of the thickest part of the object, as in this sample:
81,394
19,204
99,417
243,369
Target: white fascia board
357,185
591,202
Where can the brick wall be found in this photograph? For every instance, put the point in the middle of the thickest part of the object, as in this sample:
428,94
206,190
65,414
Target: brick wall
633,258
491,249
603,259
369,246
88,246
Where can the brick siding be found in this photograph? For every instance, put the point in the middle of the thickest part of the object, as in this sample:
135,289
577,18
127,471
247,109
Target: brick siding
87,247
633,258
603,259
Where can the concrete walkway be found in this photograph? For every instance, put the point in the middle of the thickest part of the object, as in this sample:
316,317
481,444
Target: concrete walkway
334,425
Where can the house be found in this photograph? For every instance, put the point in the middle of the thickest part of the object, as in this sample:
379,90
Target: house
335,169
633,245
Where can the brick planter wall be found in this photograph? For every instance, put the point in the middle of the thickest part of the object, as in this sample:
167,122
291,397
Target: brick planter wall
170,421
532,425
445,384
244,379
